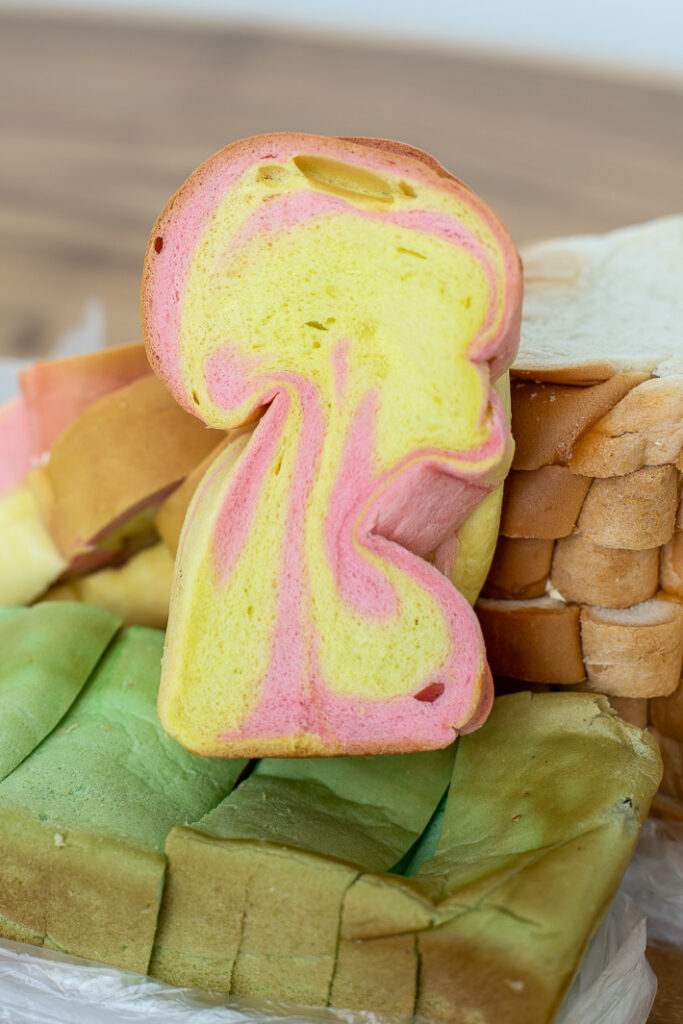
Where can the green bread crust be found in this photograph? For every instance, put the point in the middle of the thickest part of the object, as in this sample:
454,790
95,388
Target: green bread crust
544,808
282,850
47,654
84,819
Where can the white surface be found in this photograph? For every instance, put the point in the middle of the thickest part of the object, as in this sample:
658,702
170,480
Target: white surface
646,35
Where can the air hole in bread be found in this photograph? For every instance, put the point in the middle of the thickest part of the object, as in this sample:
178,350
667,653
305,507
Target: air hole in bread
271,173
315,323
411,252
430,693
158,243
345,179
407,189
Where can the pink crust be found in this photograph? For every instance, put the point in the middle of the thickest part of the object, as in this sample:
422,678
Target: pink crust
182,223
15,445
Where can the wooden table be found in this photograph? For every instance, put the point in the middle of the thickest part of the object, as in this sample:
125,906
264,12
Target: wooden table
101,120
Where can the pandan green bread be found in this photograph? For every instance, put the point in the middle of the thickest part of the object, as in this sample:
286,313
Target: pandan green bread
545,805
46,656
83,820
281,851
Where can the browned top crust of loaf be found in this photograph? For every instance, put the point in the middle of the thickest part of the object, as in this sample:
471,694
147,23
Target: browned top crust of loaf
583,376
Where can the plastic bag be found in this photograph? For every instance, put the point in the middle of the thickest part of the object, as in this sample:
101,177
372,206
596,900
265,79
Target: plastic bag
654,879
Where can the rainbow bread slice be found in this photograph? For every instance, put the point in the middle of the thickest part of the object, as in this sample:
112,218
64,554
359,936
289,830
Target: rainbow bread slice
281,852
84,818
505,890
364,302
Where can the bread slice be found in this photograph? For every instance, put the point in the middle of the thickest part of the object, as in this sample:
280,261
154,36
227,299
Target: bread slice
367,301
587,573
138,591
645,428
520,568
512,882
633,652
282,850
635,511
595,306
542,504
47,654
84,818
124,453
672,757
56,391
535,640
666,714
15,445
548,419
671,565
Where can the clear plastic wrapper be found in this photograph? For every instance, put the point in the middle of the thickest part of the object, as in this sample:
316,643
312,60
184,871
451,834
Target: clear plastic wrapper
654,879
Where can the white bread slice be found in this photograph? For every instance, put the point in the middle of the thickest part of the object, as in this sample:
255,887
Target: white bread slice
588,573
633,652
597,305
547,419
635,511
519,569
536,640
543,504
671,565
645,428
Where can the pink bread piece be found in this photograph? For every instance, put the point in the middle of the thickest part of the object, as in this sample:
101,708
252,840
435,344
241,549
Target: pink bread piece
15,446
367,300
57,391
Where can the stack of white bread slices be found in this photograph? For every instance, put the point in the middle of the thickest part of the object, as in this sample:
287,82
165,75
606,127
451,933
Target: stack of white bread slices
586,585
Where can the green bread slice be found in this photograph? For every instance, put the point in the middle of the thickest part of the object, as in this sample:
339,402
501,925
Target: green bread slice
545,806
282,850
84,818
46,656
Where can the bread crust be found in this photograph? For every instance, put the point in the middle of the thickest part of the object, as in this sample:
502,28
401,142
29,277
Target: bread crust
634,511
543,504
548,418
519,569
645,428
671,565
635,652
588,573
537,641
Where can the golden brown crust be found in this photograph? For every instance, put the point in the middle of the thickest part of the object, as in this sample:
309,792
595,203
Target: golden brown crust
537,641
666,714
671,565
548,418
519,569
585,375
543,504
644,428
634,511
634,652
587,573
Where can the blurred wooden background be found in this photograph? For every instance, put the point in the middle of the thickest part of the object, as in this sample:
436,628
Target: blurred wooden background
102,120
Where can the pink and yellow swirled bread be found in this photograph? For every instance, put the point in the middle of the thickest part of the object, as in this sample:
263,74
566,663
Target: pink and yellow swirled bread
362,301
